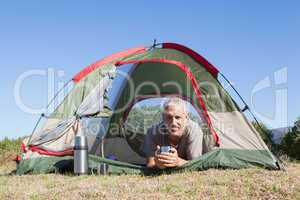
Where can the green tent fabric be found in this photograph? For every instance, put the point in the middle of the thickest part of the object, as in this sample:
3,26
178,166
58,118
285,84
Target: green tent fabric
231,159
102,96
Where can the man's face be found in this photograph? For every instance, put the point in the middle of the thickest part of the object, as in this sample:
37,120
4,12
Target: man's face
175,118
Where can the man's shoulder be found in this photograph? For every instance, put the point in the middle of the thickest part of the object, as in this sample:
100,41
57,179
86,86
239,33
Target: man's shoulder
192,124
193,127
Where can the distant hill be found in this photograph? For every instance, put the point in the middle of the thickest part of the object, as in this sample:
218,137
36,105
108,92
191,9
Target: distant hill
279,133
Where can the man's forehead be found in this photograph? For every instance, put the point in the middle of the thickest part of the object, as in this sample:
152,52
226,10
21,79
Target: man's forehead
174,109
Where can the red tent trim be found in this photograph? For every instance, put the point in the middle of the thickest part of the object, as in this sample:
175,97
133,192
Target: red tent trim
106,60
191,77
200,59
23,148
67,152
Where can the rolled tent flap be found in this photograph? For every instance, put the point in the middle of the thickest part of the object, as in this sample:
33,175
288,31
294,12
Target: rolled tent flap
83,92
96,100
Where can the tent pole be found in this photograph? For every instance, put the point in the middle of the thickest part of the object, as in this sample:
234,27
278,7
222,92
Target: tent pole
57,93
102,154
36,124
246,105
42,115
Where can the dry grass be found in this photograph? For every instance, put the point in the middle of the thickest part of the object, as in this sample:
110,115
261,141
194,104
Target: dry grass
210,184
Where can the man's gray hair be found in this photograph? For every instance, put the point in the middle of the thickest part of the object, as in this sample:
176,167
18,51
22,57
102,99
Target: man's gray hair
175,101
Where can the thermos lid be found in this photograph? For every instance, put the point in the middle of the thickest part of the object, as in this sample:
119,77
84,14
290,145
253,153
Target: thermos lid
80,142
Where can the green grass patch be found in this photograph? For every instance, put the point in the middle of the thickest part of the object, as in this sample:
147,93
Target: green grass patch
10,145
9,149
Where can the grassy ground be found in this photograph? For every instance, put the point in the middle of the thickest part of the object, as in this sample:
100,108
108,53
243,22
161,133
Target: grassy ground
211,184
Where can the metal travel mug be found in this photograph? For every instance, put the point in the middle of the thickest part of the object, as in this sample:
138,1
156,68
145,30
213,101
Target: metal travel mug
81,155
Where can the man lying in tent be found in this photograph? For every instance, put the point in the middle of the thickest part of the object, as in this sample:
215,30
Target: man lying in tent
175,140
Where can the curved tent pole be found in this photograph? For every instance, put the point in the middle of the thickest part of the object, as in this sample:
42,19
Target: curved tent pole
36,124
57,93
50,102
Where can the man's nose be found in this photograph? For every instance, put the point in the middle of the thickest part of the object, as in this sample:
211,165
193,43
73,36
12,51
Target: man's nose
173,120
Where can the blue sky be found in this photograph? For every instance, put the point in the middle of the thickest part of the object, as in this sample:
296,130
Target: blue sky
246,41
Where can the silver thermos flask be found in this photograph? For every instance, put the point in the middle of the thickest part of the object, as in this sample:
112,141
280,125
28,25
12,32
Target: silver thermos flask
81,155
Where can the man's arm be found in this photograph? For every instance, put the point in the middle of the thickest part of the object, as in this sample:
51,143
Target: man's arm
151,162
163,160
149,148
195,142
170,159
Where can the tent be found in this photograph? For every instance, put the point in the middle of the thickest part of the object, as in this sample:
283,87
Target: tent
103,95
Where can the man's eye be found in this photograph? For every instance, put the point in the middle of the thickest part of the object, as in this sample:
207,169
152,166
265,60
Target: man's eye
177,117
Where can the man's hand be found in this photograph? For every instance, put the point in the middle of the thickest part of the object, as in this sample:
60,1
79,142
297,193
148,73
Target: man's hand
168,159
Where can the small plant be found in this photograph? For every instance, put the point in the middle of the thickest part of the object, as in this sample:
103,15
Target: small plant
9,148
291,142
265,133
